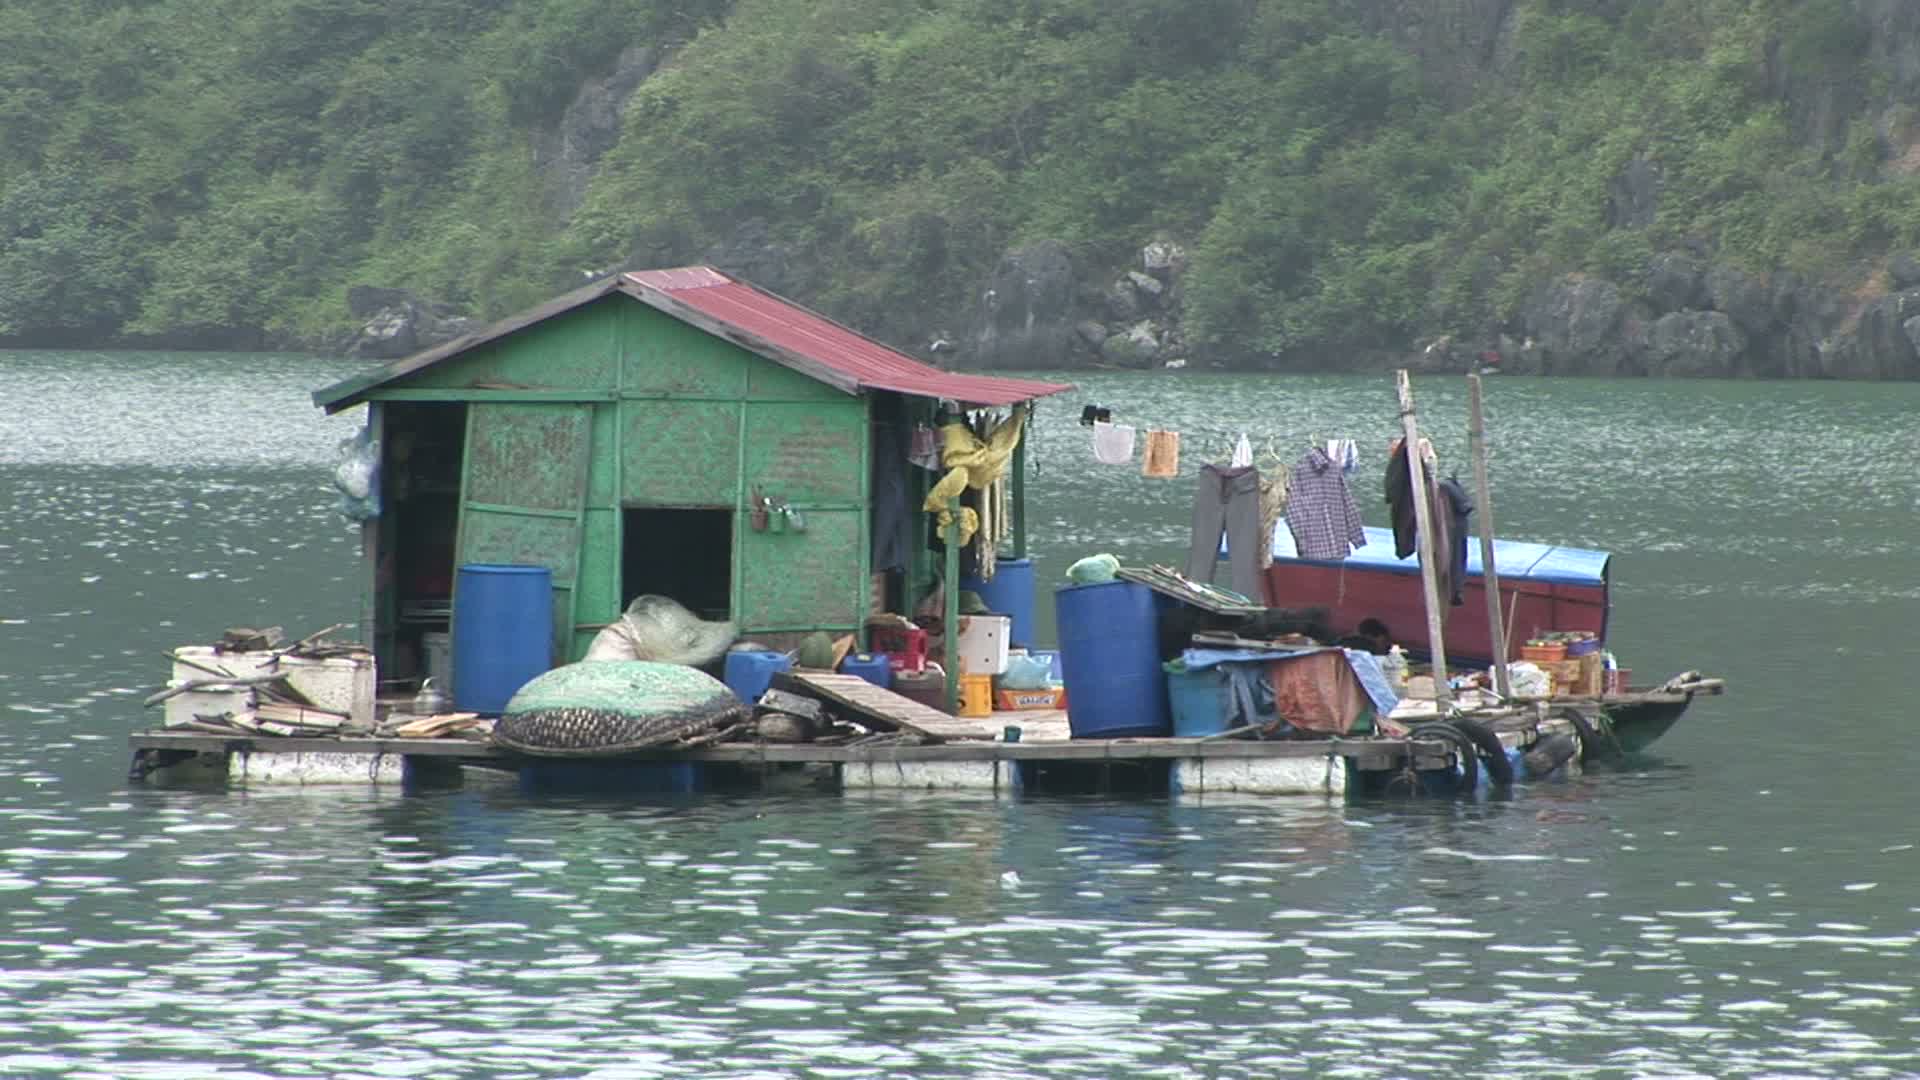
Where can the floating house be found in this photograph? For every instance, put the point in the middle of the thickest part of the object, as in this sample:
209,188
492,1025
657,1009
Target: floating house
623,436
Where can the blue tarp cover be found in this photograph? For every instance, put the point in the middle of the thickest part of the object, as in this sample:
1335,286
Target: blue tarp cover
1365,665
1517,560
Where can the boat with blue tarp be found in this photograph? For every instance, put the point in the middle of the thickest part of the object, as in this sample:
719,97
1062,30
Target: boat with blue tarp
1545,589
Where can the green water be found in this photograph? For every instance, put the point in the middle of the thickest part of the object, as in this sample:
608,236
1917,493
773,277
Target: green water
1737,904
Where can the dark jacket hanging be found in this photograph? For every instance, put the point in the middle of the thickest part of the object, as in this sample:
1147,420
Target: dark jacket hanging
1456,509
1399,488
1451,508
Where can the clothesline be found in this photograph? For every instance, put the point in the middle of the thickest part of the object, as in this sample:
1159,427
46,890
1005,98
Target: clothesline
1113,444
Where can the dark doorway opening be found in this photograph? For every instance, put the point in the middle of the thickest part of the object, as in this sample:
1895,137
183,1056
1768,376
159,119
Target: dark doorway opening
422,457
686,554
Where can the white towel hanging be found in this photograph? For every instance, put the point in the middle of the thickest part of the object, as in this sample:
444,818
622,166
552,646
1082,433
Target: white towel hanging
1112,443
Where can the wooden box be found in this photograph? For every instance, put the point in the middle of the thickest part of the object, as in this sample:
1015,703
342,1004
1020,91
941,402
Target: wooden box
1580,675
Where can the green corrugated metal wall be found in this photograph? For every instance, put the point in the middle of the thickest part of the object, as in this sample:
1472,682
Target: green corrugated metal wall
666,416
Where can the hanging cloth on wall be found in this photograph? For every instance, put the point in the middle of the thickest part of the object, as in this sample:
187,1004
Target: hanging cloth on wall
892,516
923,447
975,463
1162,457
1242,454
1345,453
1112,443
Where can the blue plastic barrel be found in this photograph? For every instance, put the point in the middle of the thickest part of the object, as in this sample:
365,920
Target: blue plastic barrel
748,672
502,633
1110,660
1010,592
873,667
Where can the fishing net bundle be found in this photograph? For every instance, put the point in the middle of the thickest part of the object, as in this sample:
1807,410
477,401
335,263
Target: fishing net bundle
661,628
613,706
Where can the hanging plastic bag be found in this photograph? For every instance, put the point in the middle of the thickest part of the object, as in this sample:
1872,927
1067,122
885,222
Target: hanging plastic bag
357,476
1027,673
1093,569
1526,679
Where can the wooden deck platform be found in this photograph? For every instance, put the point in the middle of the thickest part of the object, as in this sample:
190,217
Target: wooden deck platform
973,754
1387,750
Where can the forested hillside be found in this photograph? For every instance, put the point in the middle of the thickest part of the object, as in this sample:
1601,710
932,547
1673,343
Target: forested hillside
1625,186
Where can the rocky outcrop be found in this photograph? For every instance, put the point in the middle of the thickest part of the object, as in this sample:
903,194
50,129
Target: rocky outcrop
1580,326
1142,309
1693,343
564,155
396,322
1881,346
1027,310
1633,196
1675,281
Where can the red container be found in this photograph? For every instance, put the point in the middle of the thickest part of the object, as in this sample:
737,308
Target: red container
906,648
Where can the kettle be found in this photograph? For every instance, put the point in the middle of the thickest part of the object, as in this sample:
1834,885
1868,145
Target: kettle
431,700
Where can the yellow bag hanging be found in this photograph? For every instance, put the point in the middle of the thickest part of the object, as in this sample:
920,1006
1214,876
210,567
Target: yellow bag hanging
974,463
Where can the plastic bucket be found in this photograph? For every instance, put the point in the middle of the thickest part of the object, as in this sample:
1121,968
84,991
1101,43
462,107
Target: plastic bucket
1199,700
1009,592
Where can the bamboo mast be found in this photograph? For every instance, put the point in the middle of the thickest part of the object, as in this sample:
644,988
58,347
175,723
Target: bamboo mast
1423,520
1489,574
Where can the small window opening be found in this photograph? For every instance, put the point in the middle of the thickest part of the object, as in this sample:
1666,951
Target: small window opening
685,554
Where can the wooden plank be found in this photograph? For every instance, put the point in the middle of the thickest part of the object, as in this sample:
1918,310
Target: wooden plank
870,703
1489,574
1207,597
1423,519
169,739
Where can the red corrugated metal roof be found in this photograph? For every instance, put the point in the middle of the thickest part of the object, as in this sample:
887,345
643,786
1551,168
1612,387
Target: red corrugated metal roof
758,321
811,342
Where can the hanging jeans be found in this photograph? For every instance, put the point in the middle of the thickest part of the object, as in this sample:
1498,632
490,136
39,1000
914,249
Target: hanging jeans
1228,500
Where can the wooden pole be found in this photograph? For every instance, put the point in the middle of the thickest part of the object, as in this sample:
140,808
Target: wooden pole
1423,520
950,585
1489,574
1020,494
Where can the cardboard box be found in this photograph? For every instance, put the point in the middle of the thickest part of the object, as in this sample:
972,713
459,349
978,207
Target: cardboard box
1024,700
1580,675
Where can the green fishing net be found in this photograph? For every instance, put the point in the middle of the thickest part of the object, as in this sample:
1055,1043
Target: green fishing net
604,707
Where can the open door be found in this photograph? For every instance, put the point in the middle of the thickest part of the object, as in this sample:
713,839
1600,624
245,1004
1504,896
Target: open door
524,493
